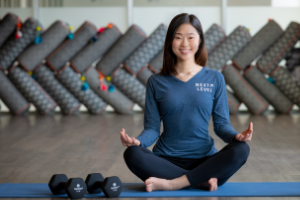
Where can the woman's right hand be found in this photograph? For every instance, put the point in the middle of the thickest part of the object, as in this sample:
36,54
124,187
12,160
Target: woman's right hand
128,141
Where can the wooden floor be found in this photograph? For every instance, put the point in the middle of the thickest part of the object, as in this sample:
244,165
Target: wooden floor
32,148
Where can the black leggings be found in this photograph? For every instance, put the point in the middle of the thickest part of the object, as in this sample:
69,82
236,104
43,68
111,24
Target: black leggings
222,165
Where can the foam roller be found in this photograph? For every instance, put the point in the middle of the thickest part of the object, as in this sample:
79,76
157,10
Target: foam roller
262,40
280,49
130,86
273,95
7,26
148,50
13,47
296,75
236,41
233,102
116,99
52,38
157,62
69,78
285,83
213,37
95,50
293,59
121,50
32,91
11,96
69,48
244,91
144,74
66,101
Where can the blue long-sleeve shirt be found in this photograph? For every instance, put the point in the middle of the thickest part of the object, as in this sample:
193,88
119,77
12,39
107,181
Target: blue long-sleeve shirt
185,109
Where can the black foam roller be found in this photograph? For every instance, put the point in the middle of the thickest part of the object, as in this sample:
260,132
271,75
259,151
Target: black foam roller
228,48
70,48
273,95
213,37
69,78
130,86
285,83
260,42
144,74
13,47
157,62
35,53
11,96
280,49
233,102
116,99
121,50
33,92
95,50
66,101
244,91
7,26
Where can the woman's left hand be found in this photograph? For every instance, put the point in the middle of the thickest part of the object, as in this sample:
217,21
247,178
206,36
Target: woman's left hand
245,135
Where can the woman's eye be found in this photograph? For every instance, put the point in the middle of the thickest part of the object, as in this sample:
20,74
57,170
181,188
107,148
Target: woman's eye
178,38
191,37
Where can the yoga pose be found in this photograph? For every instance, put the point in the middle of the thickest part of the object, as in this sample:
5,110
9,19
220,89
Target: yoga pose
183,96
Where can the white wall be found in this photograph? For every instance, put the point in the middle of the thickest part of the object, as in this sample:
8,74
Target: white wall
148,18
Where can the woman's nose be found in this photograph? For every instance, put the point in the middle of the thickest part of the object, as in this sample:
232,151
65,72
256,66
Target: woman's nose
184,43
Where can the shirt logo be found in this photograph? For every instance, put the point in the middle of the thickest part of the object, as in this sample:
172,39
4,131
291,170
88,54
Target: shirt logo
204,87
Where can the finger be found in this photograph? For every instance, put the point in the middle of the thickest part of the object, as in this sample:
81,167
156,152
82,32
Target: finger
123,140
251,128
129,140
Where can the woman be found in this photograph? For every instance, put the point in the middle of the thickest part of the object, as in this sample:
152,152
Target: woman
184,95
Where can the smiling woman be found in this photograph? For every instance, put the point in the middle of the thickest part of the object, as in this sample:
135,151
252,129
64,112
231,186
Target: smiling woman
184,37
184,95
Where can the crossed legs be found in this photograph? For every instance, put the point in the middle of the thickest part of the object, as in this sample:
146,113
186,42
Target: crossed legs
161,174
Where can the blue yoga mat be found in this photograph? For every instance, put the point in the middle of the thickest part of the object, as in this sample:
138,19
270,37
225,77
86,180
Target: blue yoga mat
41,190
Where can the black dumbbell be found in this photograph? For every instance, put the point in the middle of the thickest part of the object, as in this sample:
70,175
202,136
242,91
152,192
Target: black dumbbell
111,186
74,187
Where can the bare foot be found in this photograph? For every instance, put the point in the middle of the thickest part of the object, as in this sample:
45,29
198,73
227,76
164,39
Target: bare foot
153,184
211,184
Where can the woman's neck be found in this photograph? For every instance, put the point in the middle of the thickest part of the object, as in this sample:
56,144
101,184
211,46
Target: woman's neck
186,66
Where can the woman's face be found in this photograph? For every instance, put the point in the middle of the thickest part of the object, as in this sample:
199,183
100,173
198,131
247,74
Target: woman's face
186,42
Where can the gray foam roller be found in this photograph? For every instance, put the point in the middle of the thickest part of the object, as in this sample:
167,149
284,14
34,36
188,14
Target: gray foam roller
7,26
11,96
285,83
148,50
13,47
32,91
273,95
296,75
129,86
52,38
157,62
69,78
95,50
213,37
116,99
244,91
70,48
121,50
144,74
66,101
280,49
293,59
233,102
261,41
236,41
